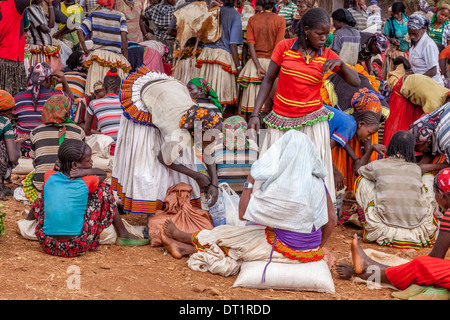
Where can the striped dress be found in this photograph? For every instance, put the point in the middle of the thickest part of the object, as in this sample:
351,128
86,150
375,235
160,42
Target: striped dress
45,145
108,111
28,117
76,81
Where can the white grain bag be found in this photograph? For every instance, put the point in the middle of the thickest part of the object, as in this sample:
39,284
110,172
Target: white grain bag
309,276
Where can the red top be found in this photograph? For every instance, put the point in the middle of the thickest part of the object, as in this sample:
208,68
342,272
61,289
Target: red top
12,36
298,92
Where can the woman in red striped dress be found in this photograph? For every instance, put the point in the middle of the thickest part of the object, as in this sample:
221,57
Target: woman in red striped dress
299,63
424,277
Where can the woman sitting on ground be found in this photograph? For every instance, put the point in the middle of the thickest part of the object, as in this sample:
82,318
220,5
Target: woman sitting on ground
45,141
397,199
76,205
296,233
9,146
424,277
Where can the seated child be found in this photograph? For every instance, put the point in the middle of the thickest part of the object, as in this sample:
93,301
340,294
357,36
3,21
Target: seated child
398,200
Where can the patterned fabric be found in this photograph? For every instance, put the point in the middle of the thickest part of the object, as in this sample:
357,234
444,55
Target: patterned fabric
57,112
37,74
234,129
6,100
208,117
13,77
424,128
161,15
417,21
75,14
206,87
29,189
100,212
366,100
443,180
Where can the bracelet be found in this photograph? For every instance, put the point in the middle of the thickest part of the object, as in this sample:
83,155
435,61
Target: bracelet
356,160
211,184
254,115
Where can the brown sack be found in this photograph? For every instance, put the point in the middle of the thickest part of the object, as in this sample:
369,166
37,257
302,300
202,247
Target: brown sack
180,210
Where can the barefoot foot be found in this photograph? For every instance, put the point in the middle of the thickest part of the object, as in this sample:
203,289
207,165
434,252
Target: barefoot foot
345,271
169,244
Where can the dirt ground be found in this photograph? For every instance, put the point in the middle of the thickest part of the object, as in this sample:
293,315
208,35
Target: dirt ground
147,273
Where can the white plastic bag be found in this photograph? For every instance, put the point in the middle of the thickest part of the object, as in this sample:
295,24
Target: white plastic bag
218,211
226,209
231,200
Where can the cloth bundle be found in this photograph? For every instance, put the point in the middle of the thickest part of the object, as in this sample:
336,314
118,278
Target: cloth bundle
179,209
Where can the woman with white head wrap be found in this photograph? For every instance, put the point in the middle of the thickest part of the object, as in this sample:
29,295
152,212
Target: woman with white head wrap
423,53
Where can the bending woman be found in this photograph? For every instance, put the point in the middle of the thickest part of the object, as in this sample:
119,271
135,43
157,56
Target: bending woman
307,223
154,149
300,63
76,205
432,139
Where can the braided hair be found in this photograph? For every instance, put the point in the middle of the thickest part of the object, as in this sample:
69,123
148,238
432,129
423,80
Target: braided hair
402,145
112,81
370,118
70,151
313,19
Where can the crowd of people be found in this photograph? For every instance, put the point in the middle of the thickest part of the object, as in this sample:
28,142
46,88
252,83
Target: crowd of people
296,108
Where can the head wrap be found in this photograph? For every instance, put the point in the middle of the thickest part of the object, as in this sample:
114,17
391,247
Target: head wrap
366,100
442,6
6,100
56,111
98,85
234,129
443,180
423,128
417,21
206,87
37,74
106,3
381,42
343,15
208,117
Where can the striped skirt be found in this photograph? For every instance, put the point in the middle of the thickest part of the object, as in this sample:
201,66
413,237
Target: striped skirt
249,81
99,62
139,178
218,68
